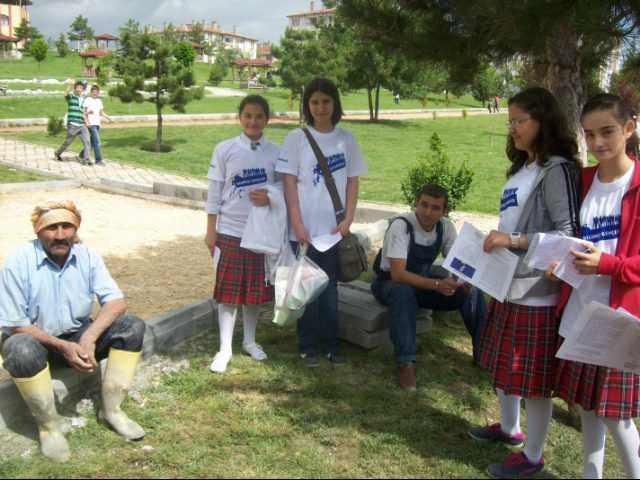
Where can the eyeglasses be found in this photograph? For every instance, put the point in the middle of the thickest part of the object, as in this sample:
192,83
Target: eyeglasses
516,123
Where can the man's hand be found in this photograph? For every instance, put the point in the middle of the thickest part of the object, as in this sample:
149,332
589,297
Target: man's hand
77,358
496,239
89,346
343,228
210,241
260,198
448,287
468,288
587,263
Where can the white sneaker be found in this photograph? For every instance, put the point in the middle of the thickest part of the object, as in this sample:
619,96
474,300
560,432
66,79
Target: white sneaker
220,362
255,351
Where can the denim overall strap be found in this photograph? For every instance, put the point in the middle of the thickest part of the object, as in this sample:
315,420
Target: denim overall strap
422,258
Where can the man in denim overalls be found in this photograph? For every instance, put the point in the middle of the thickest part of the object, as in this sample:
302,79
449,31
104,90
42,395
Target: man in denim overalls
406,282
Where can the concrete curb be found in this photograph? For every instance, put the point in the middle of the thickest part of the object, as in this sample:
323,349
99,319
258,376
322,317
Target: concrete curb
39,186
226,116
163,333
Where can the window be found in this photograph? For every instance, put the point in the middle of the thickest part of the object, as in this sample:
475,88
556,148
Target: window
4,20
295,22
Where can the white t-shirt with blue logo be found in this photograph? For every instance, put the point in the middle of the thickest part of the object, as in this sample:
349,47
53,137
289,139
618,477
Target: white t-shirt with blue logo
600,217
345,161
236,171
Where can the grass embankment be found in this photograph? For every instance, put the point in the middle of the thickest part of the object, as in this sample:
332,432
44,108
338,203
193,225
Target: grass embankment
389,147
8,175
281,420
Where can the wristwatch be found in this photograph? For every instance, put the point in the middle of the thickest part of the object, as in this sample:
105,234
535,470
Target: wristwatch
515,240
438,286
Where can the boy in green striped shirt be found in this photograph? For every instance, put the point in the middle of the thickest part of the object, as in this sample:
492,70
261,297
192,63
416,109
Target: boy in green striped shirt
77,123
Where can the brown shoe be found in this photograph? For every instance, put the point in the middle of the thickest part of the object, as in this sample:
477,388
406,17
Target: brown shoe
407,378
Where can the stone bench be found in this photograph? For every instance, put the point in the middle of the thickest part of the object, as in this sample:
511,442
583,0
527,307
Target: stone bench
365,322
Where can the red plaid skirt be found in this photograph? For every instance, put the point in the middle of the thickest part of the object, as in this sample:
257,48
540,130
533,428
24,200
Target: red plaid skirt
611,393
240,279
518,347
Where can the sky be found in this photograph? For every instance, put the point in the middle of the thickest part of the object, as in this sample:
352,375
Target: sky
264,20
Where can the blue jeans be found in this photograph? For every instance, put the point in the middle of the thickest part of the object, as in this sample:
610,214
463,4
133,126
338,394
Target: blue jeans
404,300
321,316
94,131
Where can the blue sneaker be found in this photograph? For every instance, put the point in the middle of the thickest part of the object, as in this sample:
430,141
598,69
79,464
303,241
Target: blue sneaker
516,466
494,433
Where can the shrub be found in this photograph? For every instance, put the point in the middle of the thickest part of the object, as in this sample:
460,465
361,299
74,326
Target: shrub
436,168
102,79
464,113
425,101
216,75
449,101
268,82
291,101
62,46
54,126
435,115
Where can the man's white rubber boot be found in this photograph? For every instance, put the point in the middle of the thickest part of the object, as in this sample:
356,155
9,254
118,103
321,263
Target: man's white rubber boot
121,368
38,394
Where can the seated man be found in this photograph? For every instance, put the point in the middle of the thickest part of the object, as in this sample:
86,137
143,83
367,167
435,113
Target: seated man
406,282
47,290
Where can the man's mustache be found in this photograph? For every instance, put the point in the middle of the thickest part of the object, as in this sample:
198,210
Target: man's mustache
64,243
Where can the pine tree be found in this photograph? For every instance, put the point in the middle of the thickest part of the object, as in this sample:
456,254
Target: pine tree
62,46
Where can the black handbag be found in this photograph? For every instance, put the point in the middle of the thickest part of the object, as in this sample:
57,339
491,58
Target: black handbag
353,258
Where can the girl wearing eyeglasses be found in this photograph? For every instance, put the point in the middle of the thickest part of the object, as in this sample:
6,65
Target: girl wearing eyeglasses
520,338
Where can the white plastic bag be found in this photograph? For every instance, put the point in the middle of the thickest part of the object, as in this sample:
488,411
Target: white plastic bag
305,281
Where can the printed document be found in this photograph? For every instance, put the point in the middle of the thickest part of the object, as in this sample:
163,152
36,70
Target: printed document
605,337
491,273
545,250
325,242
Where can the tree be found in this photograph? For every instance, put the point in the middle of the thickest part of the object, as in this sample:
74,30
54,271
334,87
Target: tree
38,50
559,34
197,35
169,35
173,85
62,46
302,58
626,83
185,54
488,83
216,75
80,29
129,38
26,33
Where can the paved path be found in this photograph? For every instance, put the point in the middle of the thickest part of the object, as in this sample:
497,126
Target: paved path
42,158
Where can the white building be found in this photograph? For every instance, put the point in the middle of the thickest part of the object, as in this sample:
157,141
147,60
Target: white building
613,65
307,20
247,46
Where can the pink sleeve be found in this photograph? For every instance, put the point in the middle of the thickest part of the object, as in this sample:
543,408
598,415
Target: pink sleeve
622,269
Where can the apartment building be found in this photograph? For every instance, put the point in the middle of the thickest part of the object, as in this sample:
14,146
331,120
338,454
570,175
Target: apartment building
11,14
308,20
213,32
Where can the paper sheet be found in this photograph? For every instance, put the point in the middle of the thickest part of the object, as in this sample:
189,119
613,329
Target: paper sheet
325,242
545,250
491,273
605,337
216,258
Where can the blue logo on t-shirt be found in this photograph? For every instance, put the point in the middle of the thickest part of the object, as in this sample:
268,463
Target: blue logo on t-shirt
509,199
336,162
250,176
603,228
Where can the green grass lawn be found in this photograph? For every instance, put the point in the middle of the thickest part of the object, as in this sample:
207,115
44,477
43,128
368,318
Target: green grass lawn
389,147
281,420
8,175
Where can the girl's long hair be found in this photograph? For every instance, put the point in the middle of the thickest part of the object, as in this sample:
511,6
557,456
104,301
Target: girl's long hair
554,138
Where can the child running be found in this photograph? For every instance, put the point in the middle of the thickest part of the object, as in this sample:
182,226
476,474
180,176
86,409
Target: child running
610,219
240,170
519,342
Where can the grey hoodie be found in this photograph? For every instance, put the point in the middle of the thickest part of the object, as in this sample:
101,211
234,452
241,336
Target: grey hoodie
553,208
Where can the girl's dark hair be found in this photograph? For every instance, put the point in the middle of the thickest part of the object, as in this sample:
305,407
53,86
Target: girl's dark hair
613,104
554,138
327,87
254,100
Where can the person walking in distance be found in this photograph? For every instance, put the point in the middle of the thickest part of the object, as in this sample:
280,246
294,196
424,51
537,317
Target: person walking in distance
77,123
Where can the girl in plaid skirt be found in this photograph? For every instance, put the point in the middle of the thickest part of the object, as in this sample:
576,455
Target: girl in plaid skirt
240,170
519,341
610,219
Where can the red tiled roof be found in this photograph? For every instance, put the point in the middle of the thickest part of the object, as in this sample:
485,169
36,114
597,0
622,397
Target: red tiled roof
265,51
315,12
197,45
93,53
106,36
16,2
4,38
188,28
256,62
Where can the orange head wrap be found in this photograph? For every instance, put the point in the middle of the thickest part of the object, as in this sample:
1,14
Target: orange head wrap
52,212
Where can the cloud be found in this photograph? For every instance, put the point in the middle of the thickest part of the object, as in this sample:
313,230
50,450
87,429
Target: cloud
261,19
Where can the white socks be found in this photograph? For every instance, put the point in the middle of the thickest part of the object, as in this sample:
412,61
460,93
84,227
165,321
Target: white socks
539,413
625,436
510,407
227,321
250,321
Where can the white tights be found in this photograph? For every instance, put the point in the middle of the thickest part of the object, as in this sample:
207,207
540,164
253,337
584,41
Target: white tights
625,436
227,321
539,413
